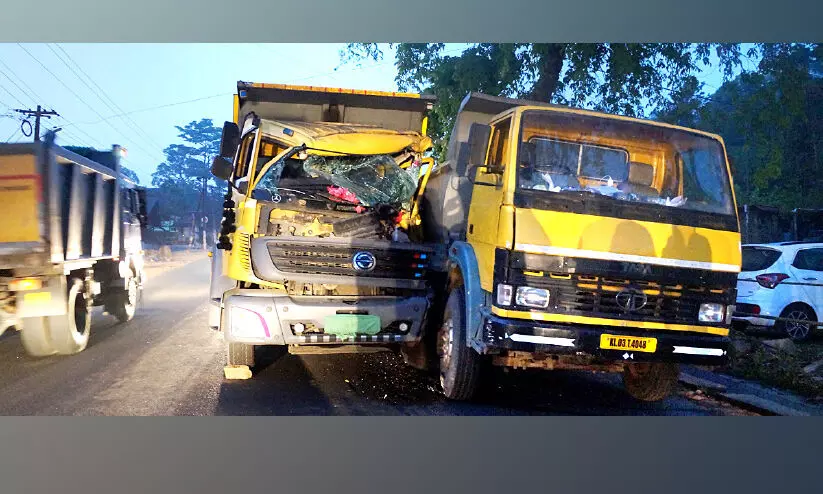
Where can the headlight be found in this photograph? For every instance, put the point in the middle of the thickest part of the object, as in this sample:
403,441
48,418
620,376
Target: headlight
504,294
532,297
711,313
248,324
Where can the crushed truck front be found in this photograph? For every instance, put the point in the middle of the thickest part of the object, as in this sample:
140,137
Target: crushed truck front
320,235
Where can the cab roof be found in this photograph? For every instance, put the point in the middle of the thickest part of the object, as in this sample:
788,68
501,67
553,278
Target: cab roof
344,138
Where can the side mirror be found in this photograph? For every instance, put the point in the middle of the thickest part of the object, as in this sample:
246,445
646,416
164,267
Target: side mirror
221,168
478,143
229,140
142,214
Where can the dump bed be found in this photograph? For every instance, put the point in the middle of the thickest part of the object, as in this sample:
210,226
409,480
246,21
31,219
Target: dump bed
58,206
388,110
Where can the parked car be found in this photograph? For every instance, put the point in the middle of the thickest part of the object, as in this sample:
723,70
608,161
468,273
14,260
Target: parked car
782,280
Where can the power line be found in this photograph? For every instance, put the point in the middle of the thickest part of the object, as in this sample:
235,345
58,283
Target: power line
38,114
101,93
67,87
8,139
159,107
33,92
12,95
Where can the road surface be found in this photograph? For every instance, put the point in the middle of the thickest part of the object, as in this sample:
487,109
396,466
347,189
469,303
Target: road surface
168,362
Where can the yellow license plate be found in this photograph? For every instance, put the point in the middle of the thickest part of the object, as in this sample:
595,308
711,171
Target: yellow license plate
629,343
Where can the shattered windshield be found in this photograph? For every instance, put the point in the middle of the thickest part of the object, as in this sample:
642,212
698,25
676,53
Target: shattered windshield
623,160
361,180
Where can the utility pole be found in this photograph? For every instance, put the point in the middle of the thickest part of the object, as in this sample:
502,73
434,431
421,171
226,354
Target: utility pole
37,114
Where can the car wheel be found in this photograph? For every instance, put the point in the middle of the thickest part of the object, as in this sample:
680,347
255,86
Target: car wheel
800,329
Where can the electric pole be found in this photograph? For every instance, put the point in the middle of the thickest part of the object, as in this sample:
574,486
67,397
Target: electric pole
37,114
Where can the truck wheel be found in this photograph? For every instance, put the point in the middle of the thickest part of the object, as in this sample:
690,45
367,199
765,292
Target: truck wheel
36,335
71,335
650,381
240,354
123,303
459,364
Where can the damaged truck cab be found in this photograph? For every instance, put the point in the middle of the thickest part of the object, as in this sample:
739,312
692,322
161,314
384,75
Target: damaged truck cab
320,247
581,240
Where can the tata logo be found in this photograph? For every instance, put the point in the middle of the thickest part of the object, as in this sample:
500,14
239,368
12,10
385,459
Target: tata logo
631,299
363,261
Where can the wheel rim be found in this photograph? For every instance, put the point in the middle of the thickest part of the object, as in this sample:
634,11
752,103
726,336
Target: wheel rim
82,315
445,346
795,329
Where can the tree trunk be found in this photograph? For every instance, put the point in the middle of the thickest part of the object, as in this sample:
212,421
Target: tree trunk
550,65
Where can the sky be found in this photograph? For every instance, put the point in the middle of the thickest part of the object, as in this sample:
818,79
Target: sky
160,86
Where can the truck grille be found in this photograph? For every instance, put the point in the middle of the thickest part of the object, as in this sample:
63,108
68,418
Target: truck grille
595,296
339,261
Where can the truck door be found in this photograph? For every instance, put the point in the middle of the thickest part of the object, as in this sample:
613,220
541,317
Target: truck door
487,198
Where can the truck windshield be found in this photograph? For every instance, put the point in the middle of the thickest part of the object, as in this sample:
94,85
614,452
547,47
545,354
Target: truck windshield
564,153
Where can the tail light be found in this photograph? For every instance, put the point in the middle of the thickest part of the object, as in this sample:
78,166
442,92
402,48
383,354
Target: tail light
770,280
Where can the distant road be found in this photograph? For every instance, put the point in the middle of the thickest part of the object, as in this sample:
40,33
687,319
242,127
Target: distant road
167,362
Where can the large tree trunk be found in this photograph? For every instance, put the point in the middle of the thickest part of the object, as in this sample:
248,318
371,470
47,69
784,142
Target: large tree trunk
550,65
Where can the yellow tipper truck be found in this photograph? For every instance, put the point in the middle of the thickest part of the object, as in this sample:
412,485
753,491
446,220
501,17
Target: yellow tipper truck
70,238
582,240
320,244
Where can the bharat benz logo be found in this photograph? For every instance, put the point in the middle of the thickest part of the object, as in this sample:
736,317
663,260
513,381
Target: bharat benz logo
631,299
363,261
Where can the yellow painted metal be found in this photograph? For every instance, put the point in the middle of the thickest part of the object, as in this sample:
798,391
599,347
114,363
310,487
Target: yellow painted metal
625,237
326,139
602,321
334,90
20,190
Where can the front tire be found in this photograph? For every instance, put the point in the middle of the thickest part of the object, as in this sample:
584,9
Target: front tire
36,335
650,381
459,364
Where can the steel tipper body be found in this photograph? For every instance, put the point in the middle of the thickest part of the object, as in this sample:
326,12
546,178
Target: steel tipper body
320,246
582,240
70,238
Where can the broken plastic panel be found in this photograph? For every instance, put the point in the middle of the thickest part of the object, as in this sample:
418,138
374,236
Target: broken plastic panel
372,179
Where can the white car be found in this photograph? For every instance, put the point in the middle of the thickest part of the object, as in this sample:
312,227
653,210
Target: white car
782,280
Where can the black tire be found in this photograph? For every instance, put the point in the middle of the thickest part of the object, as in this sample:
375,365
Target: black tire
122,304
459,364
240,354
797,331
650,381
71,335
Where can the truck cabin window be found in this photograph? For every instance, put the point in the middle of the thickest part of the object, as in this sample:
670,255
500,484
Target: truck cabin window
562,153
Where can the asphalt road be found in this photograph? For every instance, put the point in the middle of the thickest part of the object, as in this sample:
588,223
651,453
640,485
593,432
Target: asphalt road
168,362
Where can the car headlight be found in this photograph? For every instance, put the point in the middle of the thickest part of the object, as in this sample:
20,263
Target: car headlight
504,294
711,313
532,297
248,324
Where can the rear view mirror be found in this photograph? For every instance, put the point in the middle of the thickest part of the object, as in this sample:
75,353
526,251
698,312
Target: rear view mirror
230,140
221,168
478,143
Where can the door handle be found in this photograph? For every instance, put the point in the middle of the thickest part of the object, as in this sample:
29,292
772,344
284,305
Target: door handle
809,279
471,228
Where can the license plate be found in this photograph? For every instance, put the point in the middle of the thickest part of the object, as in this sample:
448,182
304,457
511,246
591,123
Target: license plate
351,324
631,343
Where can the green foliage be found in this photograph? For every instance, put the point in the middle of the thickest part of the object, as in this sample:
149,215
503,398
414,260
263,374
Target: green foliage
629,79
772,122
182,177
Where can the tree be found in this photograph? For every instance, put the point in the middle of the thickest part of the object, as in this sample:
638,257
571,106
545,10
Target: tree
183,180
629,79
770,120
130,173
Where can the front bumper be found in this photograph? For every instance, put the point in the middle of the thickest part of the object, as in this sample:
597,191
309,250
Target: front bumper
278,312
584,340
